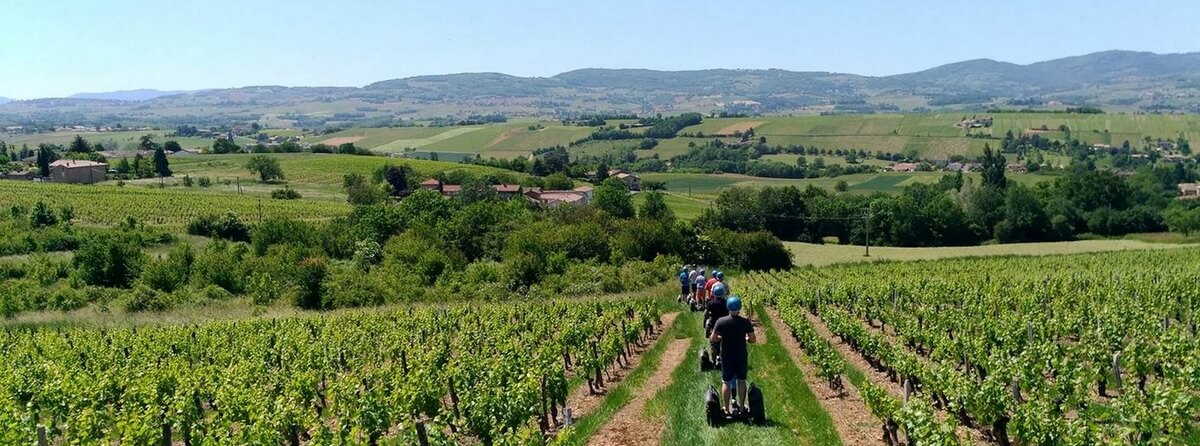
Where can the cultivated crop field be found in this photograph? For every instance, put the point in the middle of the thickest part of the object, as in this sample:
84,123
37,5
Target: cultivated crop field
710,185
110,205
490,373
1075,350
322,172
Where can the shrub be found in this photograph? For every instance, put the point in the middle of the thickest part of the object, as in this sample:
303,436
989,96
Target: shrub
748,251
220,265
228,227
286,193
109,259
310,274
143,298
346,288
279,231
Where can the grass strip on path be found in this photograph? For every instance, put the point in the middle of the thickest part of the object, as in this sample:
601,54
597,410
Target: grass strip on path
794,416
618,397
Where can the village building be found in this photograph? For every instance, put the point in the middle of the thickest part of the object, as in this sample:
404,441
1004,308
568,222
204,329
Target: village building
1188,190
1017,168
904,167
78,171
631,181
22,175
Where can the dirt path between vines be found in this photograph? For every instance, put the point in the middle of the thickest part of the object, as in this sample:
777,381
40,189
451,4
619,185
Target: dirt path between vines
629,426
854,423
856,360
582,402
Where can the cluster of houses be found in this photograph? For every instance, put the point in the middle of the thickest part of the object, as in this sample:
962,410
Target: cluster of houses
953,167
1188,191
975,122
549,198
631,181
66,171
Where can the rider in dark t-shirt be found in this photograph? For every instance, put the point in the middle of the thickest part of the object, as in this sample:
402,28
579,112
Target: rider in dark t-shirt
715,308
733,332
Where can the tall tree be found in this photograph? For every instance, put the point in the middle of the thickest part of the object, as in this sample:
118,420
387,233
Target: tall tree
396,177
123,166
601,172
147,143
79,145
45,156
161,165
172,146
266,167
613,197
993,165
655,207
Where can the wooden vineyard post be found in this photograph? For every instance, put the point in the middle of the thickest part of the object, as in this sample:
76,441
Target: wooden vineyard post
41,436
453,403
422,436
166,434
1116,369
543,420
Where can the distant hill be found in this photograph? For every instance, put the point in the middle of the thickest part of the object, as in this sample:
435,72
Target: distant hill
129,95
1117,80
4,100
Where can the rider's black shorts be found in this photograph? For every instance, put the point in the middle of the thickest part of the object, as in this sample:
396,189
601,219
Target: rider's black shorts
733,368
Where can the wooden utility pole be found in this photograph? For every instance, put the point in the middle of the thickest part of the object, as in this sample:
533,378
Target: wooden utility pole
868,217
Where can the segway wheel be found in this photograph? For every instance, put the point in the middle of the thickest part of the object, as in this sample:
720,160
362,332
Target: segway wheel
758,412
712,406
706,363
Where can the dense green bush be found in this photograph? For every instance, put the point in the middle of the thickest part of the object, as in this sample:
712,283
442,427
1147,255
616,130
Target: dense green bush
228,227
109,259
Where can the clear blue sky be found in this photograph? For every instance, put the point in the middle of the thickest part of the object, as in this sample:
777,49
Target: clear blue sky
60,47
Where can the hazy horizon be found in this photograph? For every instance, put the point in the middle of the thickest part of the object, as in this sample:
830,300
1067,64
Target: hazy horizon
76,46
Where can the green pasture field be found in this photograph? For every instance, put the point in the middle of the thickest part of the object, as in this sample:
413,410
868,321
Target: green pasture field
807,254
385,139
685,208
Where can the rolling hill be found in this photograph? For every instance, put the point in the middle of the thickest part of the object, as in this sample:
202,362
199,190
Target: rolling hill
129,95
1119,80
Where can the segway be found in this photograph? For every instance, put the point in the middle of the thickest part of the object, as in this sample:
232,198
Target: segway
710,359
716,416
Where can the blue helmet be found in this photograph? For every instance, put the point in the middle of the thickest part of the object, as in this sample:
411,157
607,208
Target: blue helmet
720,291
734,304
719,275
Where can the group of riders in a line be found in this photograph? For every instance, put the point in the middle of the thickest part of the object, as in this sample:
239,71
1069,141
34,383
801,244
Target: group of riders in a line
724,326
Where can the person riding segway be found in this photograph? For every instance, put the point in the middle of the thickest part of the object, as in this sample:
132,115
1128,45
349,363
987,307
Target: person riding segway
683,284
733,332
713,311
691,284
